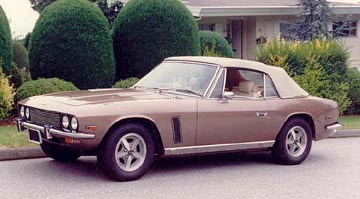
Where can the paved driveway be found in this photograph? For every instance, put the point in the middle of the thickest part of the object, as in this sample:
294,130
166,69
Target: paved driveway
331,171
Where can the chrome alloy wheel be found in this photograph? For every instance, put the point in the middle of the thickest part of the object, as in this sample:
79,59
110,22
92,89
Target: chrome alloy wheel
296,141
130,152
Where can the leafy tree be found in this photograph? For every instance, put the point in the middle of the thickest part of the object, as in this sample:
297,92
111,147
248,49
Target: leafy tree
110,12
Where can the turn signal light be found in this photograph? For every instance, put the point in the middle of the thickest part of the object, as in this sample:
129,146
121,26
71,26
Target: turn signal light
69,140
91,128
329,117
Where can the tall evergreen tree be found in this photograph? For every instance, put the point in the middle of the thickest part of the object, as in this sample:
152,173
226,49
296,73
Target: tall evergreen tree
315,20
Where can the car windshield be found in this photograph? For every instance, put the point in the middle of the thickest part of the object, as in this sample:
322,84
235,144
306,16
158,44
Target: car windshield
188,78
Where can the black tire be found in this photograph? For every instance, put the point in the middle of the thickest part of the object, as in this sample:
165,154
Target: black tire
59,153
117,168
296,150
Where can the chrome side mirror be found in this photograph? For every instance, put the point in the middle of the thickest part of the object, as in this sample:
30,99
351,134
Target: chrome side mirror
228,95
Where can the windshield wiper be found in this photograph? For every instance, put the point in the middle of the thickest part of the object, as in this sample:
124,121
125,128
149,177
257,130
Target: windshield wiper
144,87
181,90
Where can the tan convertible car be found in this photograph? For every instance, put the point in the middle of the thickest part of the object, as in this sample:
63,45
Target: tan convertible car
186,105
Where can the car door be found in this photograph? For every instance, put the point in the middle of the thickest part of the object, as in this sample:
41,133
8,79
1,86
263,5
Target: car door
239,119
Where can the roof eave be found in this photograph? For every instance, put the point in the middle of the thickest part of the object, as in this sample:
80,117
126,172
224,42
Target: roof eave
232,11
247,11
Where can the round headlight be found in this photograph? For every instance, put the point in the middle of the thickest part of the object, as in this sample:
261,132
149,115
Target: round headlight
65,121
22,111
74,123
27,112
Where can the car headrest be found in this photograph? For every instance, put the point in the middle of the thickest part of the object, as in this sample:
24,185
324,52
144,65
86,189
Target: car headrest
246,86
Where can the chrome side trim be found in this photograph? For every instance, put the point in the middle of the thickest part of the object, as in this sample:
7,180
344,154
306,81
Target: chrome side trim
217,148
57,132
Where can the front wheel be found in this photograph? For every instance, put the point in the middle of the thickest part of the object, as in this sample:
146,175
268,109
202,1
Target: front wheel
293,144
127,153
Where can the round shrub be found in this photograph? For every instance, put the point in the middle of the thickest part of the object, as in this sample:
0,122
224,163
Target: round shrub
20,56
71,40
126,83
43,86
147,31
5,43
213,41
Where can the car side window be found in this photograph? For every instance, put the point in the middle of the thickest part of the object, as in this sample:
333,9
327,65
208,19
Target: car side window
245,83
270,90
218,90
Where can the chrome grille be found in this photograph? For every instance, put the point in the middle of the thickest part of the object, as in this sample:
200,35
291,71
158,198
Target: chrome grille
45,117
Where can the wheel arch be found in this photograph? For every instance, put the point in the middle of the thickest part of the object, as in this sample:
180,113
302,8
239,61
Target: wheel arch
305,116
147,123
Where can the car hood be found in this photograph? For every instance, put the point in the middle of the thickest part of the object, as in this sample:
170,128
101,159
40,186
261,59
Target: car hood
96,96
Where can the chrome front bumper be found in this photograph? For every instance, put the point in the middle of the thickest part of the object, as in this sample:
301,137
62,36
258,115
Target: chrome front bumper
48,131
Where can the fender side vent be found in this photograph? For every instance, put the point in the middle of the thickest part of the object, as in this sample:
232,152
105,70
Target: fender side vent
176,129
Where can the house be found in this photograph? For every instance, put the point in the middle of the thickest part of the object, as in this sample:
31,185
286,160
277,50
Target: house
244,22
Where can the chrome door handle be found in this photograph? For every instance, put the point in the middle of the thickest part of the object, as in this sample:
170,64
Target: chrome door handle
261,114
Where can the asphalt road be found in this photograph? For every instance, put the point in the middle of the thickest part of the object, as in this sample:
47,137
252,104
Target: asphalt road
332,170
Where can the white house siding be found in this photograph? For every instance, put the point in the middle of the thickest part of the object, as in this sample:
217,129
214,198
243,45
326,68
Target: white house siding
268,27
250,29
353,44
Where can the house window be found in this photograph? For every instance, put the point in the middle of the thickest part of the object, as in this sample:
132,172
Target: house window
209,27
285,31
345,29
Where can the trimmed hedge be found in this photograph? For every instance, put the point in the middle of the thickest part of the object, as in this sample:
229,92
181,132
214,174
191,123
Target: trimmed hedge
212,40
147,31
20,56
71,40
126,83
43,86
5,43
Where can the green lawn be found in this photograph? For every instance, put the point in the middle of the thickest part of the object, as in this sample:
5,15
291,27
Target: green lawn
350,122
11,138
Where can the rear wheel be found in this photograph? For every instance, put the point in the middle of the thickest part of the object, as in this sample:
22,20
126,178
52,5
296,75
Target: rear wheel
127,153
59,153
293,144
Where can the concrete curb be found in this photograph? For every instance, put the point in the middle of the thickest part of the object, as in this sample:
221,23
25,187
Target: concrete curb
21,153
36,152
346,133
